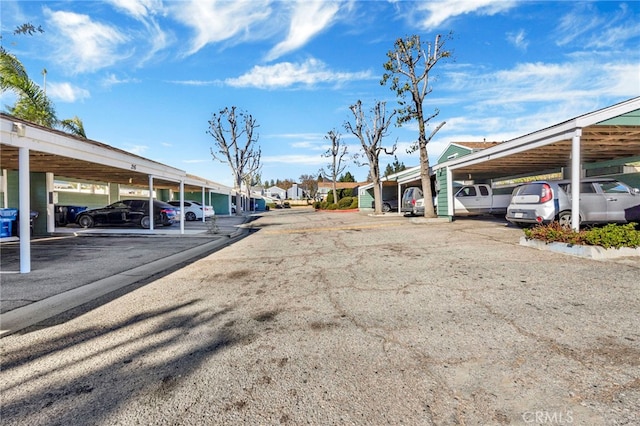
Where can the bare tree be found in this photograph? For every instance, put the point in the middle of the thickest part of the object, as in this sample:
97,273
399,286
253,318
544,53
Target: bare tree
310,185
403,70
236,145
337,152
370,137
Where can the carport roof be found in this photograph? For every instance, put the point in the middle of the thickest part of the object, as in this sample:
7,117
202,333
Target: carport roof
607,134
70,156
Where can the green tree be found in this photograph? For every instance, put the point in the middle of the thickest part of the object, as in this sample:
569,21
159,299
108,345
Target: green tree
74,126
407,69
32,103
347,177
388,170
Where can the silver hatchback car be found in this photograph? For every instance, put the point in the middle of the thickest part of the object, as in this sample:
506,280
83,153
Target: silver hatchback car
602,200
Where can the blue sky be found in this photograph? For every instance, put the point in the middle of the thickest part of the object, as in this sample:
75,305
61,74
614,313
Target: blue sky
146,75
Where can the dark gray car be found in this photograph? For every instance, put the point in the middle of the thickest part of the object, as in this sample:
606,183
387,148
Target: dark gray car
602,200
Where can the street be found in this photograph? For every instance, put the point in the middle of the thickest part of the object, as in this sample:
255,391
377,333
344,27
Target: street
343,318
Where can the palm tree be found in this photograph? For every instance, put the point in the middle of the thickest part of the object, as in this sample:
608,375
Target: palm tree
32,103
74,126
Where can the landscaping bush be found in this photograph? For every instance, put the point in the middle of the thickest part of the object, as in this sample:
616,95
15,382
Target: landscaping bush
329,199
614,236
608,236
332,206
345,203
317,205
354,203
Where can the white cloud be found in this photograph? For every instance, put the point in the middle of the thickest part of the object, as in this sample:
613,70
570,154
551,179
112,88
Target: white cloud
518,39
145,11
287,74
196,82
309,18
138,9
439,12
66,92
214,21
90,45
112,80
307,160
137,149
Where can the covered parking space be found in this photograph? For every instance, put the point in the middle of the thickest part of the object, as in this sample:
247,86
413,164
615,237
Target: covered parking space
608,134
32,150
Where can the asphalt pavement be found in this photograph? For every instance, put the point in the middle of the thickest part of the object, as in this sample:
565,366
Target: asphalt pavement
75,266
328,318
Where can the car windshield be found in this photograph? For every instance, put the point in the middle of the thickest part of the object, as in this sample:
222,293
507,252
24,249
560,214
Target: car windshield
529,189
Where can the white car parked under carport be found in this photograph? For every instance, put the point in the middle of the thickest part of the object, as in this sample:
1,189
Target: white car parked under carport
193,210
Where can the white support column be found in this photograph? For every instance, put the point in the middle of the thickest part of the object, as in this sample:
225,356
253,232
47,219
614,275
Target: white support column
5,196
576,167
182,207
203,204
449,193
24,195
399,198
51,210
152,213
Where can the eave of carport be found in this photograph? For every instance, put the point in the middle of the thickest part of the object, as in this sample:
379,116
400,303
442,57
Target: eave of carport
27,147
588,138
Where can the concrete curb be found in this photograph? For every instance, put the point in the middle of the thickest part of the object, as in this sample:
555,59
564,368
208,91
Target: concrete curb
591,252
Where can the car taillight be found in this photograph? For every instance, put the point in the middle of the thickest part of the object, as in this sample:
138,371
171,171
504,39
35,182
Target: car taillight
546,193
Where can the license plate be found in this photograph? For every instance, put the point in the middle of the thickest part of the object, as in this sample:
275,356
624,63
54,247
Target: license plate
518,215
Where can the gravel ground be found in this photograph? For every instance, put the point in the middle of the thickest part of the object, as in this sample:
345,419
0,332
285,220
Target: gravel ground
328,318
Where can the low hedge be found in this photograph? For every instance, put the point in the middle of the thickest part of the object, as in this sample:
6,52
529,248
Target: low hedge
611,235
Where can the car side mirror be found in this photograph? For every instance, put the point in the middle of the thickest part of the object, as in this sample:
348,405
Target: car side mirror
635,191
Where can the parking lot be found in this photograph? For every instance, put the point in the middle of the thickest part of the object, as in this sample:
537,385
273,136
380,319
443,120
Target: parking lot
343,318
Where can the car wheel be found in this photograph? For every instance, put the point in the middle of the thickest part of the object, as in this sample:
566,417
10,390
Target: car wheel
386,208
564,219
190,216
145,222
86,221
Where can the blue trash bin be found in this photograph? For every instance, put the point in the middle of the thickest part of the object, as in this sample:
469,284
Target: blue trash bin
5,227
7,217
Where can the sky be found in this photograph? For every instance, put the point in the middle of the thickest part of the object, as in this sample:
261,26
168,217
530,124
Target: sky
146,76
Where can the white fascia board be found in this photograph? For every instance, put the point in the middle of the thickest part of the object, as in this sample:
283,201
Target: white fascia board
40,140
208,184
365,187
608,113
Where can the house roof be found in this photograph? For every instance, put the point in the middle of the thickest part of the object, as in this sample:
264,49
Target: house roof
475,146
606,134
66,155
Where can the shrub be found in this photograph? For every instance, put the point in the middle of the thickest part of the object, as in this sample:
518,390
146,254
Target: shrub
317,205
611,235
329,199
614,236
354,203
345,203
332,206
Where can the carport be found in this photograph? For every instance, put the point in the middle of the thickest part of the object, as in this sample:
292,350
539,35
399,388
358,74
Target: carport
608,134
27,148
